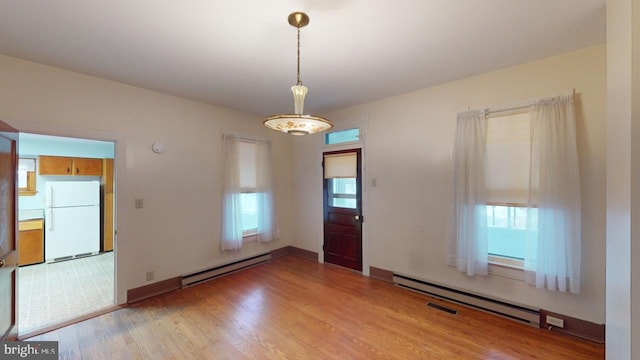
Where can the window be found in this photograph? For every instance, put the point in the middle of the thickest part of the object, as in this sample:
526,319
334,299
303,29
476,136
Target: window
342,136
340,170
506,163
507,181
248,212
342,193
248,197
26,177
507,232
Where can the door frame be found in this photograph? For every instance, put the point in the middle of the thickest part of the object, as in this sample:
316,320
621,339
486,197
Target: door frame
360,122
120,210
10,259
330,209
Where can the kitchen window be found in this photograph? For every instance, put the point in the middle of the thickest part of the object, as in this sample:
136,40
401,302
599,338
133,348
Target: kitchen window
26,177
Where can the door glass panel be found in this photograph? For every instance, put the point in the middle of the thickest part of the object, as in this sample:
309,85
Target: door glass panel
341,165
342,193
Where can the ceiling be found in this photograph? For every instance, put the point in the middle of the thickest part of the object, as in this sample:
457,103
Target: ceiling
241,54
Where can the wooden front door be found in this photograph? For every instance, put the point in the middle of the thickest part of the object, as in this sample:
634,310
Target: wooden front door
8,231
343,208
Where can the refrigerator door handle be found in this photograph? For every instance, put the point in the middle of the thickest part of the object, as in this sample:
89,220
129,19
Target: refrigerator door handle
50,218
48,199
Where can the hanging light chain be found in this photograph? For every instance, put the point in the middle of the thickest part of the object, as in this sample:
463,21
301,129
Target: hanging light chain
299,82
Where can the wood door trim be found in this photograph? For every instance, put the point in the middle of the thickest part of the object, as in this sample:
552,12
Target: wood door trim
157,288
381,274
71,322
9,227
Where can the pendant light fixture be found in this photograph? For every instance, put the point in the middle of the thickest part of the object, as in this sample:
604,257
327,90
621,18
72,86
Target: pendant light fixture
298,123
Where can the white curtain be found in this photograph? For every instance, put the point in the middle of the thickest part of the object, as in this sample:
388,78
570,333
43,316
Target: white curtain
231,236
553,244
260,176
468,249
267,229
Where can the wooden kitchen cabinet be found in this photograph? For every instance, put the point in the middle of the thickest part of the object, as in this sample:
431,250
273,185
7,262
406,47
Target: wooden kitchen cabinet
107,204
30,242
86,166
55,165
60,165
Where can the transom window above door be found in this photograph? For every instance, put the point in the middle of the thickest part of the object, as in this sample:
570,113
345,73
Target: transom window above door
342,136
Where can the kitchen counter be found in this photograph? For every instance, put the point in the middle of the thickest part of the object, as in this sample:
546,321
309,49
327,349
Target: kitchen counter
24,215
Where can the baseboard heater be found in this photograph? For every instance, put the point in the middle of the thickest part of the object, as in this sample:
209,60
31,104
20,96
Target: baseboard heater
523,314
215,272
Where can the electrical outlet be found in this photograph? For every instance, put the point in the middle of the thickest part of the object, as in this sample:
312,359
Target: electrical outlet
554,321
139,203
149,275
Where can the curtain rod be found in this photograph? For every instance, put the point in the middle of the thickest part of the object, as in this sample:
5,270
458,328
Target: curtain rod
523,105
514,109
245,137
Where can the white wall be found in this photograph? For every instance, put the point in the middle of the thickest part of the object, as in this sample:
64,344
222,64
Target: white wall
409,142
634,241
178,229
408,149
623,180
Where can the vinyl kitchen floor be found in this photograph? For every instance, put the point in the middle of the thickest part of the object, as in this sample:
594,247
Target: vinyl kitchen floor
52,293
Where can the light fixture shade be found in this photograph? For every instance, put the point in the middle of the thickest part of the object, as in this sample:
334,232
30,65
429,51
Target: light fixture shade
299,92
297,124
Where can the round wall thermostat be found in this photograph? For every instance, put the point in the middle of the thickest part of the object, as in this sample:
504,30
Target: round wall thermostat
158,148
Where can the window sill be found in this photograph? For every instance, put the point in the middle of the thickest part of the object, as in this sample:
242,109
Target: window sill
507,262
249,237
509,268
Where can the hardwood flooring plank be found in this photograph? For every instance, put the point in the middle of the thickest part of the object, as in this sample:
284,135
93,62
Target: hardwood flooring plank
294,308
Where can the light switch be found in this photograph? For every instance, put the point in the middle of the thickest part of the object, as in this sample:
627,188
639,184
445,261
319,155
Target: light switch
139,203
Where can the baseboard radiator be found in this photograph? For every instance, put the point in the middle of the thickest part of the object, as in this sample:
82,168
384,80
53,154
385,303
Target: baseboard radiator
523,314
218,271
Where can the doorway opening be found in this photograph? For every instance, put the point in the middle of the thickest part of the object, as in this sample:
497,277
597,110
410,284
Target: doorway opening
66,229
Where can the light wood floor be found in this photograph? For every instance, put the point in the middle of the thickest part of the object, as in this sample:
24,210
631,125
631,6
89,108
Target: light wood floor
294,308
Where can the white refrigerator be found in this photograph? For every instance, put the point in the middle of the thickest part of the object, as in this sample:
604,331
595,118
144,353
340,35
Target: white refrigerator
72,219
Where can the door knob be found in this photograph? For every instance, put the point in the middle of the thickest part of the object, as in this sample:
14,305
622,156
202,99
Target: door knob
357,217
2,263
